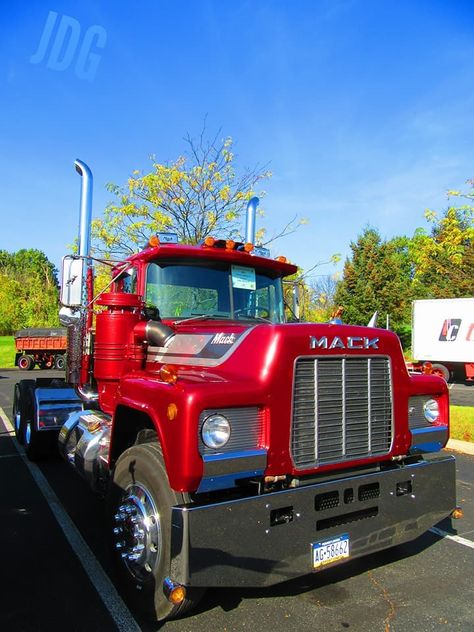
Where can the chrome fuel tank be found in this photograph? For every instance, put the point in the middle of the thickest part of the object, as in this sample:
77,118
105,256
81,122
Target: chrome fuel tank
84,442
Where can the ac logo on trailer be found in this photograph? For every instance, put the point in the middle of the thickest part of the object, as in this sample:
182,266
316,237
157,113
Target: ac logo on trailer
450,330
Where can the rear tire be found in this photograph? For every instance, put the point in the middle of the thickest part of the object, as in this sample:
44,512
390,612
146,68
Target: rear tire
139,504
21,405
60,362
36,443
442,371
26,363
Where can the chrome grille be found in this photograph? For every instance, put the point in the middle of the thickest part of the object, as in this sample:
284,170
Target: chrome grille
342,410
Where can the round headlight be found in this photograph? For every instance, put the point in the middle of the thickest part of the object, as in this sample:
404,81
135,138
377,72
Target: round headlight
431,410
215,431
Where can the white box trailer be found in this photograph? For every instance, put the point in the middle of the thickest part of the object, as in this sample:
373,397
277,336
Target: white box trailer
443,335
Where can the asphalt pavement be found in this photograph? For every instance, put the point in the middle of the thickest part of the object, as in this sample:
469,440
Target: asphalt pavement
57,571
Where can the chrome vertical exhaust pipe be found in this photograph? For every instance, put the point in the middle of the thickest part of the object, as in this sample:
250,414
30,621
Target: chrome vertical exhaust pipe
86,207
251,218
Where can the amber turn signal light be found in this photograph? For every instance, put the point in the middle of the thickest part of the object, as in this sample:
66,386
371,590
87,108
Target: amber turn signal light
457,513
175,593
169,374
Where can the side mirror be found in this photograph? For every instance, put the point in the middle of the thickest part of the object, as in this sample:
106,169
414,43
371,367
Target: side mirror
71,281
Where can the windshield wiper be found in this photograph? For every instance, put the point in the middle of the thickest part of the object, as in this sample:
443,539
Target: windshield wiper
200,317
259,318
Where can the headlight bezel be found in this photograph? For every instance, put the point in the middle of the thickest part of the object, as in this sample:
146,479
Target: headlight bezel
431,410
216,431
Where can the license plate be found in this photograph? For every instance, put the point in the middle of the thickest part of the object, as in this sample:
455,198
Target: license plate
330,551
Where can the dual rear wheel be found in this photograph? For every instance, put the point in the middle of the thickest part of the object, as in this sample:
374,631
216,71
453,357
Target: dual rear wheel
37,444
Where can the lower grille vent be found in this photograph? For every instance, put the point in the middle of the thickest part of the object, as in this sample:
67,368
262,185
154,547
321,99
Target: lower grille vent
354,516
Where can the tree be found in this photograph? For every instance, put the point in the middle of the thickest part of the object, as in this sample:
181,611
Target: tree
444,260
28,291
323,290
377,277
198,194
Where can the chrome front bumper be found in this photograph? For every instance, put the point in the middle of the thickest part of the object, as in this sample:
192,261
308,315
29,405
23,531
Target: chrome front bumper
260,541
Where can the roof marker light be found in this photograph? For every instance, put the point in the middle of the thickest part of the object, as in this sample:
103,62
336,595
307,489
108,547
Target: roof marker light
209,242
230,244
281,259
249,247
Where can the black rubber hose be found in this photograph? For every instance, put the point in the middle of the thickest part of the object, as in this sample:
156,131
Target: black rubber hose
158,333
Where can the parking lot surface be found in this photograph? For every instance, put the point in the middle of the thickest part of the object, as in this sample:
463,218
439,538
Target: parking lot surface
56,569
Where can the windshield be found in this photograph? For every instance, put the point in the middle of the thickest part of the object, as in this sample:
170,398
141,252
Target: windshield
222,291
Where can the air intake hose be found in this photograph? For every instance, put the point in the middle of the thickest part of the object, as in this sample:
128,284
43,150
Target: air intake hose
158,333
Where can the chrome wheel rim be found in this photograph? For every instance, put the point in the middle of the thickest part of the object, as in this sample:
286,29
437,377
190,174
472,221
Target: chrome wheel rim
137,531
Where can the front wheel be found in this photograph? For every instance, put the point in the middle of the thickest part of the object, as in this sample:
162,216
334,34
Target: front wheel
140,503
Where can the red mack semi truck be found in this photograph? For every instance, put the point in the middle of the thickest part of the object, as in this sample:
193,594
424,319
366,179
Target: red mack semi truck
233,448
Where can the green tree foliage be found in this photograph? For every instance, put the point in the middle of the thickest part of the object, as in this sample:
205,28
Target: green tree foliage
198,194
28,291
377,277
444,259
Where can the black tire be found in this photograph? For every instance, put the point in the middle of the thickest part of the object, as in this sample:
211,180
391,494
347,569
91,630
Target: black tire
26,363
21,405
37,444
140,493
60,362
442,371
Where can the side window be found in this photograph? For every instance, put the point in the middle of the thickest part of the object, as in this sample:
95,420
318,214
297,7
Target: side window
127,281
130,281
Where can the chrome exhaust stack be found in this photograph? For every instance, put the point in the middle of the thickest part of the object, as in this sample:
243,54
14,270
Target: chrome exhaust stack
86,207
251,220
74,279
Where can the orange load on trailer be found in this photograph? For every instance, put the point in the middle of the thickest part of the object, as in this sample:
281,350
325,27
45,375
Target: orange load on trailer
44,347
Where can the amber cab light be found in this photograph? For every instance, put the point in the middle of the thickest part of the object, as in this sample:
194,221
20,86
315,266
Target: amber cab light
209,242
282,259
230,244
154,241
248,247
169,374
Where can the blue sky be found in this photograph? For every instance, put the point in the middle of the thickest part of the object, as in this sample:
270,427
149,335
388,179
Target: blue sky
364,109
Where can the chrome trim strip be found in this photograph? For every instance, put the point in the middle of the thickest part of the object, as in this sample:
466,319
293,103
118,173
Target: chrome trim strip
431,439
165,355
234,462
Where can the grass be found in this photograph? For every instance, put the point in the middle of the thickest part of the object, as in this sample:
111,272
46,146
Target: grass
462,423
7,352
